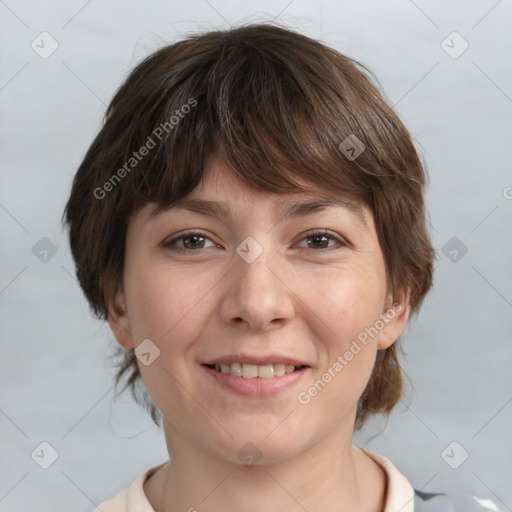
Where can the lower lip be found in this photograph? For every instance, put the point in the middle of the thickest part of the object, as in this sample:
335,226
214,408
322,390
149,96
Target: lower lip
257,386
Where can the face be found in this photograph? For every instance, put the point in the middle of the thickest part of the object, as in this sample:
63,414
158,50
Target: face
262,287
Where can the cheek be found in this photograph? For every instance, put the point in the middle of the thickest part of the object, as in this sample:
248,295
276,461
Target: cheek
347,301
348,305
146,300
163,309
154,302
167,306
348,351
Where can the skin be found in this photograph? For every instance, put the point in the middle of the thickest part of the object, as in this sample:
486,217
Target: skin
294,299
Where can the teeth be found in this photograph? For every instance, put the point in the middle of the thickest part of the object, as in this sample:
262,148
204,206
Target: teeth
251,371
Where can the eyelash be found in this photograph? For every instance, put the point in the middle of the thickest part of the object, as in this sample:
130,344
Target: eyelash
312,234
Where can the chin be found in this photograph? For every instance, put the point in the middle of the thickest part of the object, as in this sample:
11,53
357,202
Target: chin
259,449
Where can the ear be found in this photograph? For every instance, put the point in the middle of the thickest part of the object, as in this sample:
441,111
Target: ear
119,321
394,318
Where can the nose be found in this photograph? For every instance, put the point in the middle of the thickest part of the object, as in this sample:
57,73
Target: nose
257,295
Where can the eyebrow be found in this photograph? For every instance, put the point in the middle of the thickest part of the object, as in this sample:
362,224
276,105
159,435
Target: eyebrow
295,210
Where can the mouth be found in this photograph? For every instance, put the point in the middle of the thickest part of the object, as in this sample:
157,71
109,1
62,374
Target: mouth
255,381
254,371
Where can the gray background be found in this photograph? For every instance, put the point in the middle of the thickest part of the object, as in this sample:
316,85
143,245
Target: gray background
56,378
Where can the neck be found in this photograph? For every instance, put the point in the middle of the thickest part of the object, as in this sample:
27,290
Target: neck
316,479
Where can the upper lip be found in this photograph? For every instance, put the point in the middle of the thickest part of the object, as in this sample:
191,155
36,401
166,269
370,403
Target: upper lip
257,360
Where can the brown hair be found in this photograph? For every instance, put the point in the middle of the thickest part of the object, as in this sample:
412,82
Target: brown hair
275,105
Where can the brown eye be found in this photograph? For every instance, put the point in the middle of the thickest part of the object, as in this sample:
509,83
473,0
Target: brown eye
187,242
194,241
319,240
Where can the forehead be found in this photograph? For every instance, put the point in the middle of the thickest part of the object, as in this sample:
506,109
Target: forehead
220,190
290,206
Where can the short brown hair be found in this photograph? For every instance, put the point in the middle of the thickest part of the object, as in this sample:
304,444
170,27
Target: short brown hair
276,105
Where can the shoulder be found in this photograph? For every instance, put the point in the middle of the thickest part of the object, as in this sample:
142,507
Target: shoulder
399,492
130,499
402,496
117,503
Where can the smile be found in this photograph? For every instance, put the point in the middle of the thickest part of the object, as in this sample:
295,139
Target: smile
245,379
254,371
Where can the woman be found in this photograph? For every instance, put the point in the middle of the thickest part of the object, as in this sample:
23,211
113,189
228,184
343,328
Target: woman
250,221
